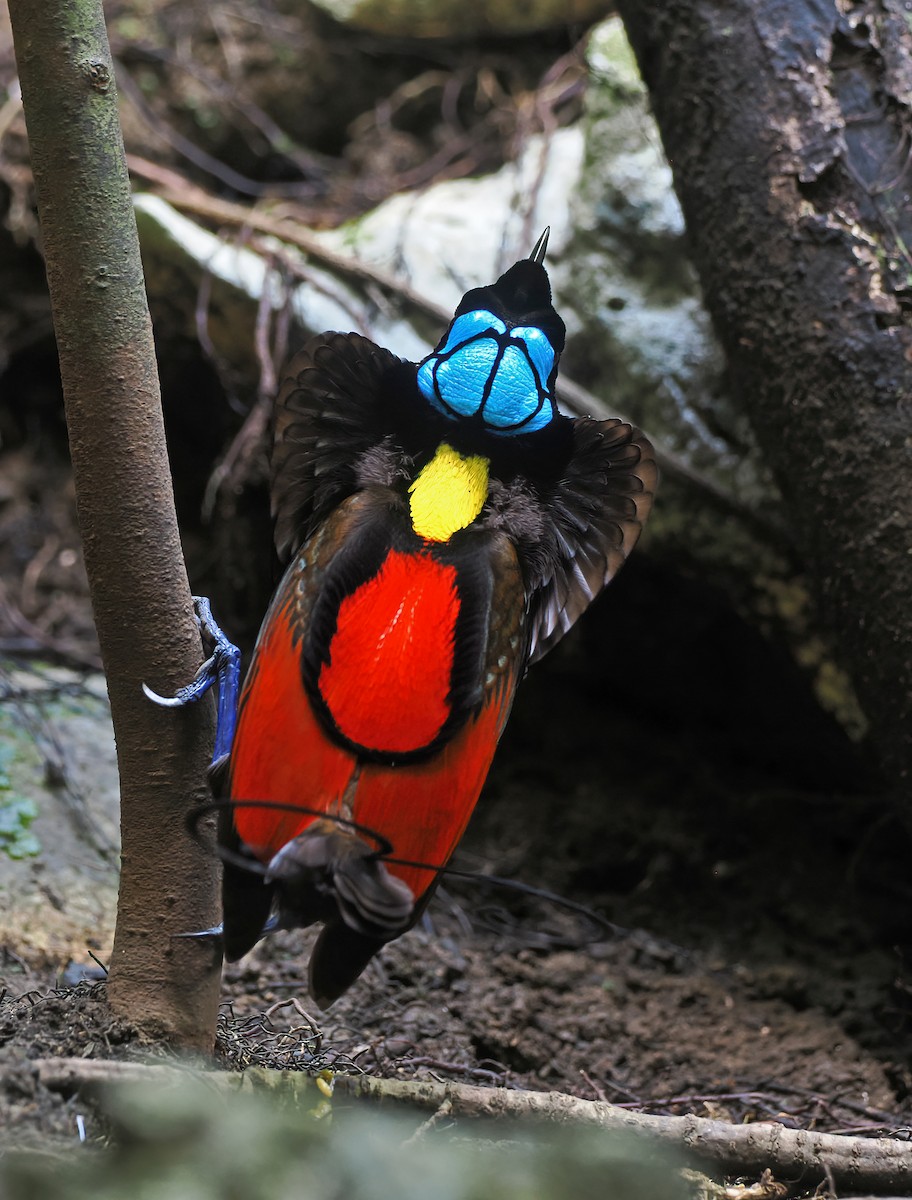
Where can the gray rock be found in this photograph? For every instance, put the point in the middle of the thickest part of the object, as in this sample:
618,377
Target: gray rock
459,18
59,792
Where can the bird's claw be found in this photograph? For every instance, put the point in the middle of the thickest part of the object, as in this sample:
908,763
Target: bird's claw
223,666
272,923
215,931
201,682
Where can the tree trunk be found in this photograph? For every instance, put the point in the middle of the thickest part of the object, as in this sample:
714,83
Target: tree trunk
138,582
788,129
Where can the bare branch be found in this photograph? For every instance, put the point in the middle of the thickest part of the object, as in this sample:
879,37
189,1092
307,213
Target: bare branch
878,1165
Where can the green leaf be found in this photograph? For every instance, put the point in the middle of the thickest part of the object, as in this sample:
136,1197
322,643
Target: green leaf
16,815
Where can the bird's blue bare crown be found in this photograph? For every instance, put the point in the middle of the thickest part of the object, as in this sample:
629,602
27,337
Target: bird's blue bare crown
497,362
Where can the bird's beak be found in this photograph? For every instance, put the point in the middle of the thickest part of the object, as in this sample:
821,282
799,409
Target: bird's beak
538,254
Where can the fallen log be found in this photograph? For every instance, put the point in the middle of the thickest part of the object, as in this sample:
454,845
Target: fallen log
881,1166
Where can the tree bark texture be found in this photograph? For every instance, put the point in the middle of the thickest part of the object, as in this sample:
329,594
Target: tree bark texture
140,593
788,127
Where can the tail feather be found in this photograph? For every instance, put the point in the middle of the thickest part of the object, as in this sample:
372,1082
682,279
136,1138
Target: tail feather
371,899
329,872
338,958
246,900
246,904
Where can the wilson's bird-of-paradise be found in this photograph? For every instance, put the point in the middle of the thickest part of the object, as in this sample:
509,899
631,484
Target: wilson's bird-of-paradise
444,526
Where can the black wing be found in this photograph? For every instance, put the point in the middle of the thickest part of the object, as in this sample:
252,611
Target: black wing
593,516
331,433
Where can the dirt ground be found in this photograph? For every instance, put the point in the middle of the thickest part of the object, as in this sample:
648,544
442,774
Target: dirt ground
739,948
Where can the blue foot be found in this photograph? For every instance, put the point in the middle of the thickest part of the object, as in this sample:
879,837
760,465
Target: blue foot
223,667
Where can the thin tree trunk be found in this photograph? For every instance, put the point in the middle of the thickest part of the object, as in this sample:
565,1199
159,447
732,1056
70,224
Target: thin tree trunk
138,582
788,129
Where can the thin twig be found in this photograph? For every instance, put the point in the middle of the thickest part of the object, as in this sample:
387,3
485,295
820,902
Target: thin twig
197,155
313,166
426,1126
39,641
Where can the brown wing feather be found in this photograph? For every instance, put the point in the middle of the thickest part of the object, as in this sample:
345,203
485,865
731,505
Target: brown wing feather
328,417
595,514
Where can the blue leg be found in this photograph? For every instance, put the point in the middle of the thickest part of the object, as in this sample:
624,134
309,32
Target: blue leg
223,667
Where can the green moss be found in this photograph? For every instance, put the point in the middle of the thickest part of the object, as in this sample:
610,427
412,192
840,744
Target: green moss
612,62
17,813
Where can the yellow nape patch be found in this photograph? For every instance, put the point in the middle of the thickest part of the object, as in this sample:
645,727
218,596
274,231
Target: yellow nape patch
448,494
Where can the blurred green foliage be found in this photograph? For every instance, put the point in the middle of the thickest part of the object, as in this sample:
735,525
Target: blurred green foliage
16,815
192,1143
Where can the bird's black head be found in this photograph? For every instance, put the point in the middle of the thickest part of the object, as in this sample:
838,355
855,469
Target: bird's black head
497,362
